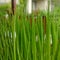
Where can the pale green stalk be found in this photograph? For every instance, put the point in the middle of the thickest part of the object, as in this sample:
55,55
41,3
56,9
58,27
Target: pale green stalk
34,55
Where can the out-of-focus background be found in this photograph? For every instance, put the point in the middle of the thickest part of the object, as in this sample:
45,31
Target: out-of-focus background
35,5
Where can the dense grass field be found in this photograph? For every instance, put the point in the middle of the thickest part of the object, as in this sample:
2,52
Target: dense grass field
23,36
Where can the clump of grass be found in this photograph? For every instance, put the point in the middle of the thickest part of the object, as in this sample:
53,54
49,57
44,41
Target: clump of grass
5,35
22,37
25,46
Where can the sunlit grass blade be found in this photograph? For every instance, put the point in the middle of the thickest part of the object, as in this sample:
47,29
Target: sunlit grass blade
54,40
34,57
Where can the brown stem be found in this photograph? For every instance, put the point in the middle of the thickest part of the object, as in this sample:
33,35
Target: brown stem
44,23
13,2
